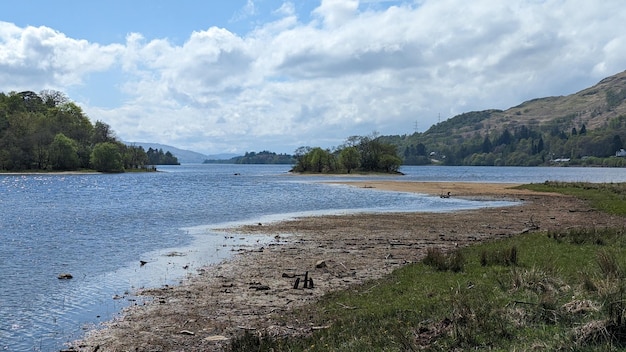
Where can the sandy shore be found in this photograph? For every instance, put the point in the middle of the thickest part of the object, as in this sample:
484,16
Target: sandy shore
255,290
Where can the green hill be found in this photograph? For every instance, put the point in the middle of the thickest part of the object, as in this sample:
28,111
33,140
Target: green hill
585,128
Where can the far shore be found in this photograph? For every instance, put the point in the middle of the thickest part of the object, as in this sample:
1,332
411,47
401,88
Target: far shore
31,173
254,291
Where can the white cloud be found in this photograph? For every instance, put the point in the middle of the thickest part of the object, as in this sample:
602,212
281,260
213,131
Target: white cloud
337,12
350,69
43,57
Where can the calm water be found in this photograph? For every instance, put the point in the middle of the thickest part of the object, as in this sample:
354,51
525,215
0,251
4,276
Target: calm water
99,227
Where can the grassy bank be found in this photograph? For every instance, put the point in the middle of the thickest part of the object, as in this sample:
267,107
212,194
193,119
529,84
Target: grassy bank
561,290
608,197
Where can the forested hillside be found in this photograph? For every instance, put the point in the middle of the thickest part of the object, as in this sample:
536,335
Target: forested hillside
48,132
586,128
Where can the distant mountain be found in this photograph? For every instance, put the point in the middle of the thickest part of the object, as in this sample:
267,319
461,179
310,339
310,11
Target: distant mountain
184,156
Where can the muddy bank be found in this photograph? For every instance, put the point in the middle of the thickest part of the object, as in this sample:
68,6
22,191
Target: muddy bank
255,290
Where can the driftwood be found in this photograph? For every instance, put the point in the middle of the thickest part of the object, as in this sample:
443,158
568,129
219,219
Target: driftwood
308,282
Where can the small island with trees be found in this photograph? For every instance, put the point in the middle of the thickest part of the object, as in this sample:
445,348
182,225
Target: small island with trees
358,154
47,132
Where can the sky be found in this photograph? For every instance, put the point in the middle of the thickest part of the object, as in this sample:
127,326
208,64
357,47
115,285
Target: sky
234,76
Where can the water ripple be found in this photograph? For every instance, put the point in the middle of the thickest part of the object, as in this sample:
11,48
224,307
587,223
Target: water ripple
98,228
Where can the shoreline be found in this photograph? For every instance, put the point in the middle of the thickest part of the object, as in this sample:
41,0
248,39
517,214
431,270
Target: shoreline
254,291
26,173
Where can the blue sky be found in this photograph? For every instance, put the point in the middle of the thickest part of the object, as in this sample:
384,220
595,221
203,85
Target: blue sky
252,75
110,21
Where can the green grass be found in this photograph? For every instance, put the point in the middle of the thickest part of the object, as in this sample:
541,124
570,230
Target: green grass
608,197
539,291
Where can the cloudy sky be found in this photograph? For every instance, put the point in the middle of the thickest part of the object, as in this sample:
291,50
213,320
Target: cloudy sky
249,75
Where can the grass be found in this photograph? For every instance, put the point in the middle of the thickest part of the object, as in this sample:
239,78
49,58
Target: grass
538,291
608,197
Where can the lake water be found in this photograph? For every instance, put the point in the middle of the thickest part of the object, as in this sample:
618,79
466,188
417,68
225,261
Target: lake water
99,228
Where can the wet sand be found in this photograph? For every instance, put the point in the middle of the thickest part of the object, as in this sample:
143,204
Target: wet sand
254,291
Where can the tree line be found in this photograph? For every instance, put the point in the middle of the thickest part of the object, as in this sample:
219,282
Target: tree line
158,157
358,153
262,157
48,132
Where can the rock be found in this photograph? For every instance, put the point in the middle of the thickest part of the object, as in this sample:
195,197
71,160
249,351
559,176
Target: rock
320,264
65,276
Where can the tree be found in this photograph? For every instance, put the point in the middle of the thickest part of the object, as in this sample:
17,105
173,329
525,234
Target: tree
349,158
315,160
389,163
135,157
102,133
370,150
31,101
106,157
70,119
319,160
52,98
64,153
301,155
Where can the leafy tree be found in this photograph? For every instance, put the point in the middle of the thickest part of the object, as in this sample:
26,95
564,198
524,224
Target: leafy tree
301,154
370,150
389,163
349,158
64,153
102,133
70,119
135,157
31,102
319,160
106,157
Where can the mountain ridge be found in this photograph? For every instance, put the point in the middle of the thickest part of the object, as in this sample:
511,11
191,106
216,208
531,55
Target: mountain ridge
594,106
184,156
584,128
